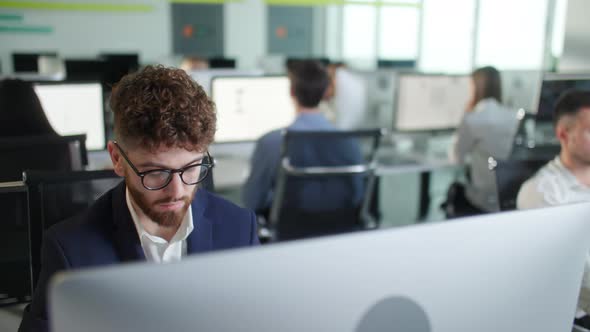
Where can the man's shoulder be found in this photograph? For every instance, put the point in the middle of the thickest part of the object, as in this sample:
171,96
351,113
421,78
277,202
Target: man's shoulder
272,137
219,206
87,224
540,189
231,225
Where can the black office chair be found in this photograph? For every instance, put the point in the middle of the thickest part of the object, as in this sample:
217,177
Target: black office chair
56,196
324,184
15,281
51,153
48,153
510,175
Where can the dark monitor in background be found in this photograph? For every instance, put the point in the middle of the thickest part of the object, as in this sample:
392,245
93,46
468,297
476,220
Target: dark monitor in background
63,153
84,69
552,87
27,62
291,61
222,63
118,65
264,102
396,64
430,102
75,108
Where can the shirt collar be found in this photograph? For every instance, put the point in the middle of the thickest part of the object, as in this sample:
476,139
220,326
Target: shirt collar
185,229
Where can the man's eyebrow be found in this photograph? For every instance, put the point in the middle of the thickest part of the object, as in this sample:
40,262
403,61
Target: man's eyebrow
162,166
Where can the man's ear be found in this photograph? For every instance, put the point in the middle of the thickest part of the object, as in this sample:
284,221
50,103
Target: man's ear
116,158
562,128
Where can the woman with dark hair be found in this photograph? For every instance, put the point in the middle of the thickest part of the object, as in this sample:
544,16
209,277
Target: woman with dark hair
21,113
487,130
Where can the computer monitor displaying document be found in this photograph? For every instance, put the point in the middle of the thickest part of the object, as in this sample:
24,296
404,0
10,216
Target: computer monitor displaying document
515,271
205,76
249,107
75,108
430,102
553,86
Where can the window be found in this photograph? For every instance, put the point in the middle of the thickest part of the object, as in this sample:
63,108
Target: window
398,33
511,34
447,36
380,29
558,33
358,31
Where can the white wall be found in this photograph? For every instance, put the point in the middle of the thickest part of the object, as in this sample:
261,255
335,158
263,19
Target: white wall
245,32
85,34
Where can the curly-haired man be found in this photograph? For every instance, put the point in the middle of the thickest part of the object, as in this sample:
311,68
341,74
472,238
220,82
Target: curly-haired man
164,123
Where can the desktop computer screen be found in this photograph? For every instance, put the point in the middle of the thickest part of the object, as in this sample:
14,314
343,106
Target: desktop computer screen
249,107
430,102
552,87
515,271
75,108
205,76
117,65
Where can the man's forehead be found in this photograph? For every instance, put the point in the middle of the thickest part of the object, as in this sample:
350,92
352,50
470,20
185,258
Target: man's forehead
167,152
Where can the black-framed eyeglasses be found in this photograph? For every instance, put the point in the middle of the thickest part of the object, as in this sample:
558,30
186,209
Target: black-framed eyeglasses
156,179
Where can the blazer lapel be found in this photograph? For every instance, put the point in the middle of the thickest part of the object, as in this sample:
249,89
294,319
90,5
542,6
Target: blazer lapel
201,238
126,239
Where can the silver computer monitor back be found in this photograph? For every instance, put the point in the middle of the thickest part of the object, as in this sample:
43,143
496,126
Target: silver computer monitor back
517,271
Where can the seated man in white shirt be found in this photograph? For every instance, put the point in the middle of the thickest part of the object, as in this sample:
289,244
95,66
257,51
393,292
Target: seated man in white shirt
566,179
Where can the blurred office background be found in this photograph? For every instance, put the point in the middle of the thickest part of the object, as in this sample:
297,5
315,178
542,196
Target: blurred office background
390,53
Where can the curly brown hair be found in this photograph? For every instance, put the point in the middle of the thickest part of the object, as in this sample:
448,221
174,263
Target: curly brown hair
161,106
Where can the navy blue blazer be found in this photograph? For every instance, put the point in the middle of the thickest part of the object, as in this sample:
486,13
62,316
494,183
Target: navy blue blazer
105,234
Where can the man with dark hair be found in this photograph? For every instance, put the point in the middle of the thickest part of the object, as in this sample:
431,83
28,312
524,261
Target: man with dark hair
164,123
566,179
309,82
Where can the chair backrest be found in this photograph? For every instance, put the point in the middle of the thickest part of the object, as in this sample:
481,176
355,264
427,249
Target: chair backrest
324,182
15,279
55,196
510,175
47,153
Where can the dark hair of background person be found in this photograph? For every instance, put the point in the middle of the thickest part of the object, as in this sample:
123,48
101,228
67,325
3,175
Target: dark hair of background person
570,103
21,113
487,84
160,106
309,81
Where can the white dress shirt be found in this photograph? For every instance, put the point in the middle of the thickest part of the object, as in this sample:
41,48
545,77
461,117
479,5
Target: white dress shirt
554,185
155,248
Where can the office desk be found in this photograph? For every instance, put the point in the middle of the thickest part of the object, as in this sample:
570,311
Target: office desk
399,163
